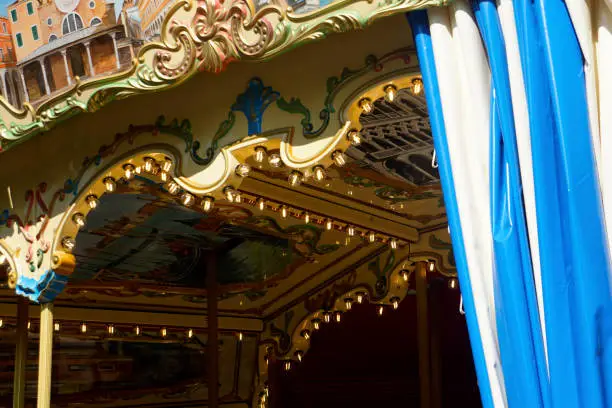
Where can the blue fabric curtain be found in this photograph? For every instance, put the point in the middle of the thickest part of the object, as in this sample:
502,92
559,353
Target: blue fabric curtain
576,370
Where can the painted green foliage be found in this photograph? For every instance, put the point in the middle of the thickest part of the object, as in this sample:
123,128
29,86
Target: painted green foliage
382,272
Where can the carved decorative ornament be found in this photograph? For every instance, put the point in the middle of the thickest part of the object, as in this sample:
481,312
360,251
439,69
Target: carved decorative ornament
200,35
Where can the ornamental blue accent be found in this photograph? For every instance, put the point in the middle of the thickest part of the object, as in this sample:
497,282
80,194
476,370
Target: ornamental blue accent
253,103
42,290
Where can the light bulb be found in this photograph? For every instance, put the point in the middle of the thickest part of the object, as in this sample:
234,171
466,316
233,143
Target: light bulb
29,324
372,236
366,105
240,336
316,324
167,165
79,220
390,93
295,178
164,176
1,323
189,333
299,354
405,275
111,329
243,170
354,137
187,199
275,160
261,204
350,230
393,243
452,283
329,224
338,316
284,211
305,334
129,170
138,170
417,86
432,266
306,218
92,201
395,302
173,188
207,203
339,158
238,197
230,193
83,327
360,297
260,154
348,302
56,326
68,243
287,365
164,332
327,317
381,309
137,330
149,163
319,173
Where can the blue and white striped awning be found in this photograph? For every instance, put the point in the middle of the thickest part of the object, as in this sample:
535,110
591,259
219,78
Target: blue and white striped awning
520,101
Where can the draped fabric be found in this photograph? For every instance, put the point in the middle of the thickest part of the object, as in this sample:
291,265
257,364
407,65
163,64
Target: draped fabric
516,96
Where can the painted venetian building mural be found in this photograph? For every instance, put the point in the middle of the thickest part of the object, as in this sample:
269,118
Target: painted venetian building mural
197,243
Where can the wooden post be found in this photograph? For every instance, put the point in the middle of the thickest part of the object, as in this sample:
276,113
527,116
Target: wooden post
21,353
45,355
213,332
423,332
435,297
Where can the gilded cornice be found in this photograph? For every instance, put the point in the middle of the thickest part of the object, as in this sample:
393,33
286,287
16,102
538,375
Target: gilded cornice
200,35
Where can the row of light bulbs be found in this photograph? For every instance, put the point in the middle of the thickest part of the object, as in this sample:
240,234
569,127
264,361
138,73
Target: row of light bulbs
367,106
137,330
152,167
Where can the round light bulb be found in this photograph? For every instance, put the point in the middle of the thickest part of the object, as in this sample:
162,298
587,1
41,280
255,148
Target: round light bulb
189,333
327,317
390,93
354,137
238,197
339,158
348,302
417,86
79,220
207,204
295,178
350,230
243,170
261,204
164,176
111,329
260,154
187,199
137,330
453,283
393,243
316,324
405,275
167,165
395,302
319,173
306,218
83,327
299,354
56,326
432,266
275,160
381,309
164,332
230,193
92,201
366,105
240,336
284,211
372,236
173,188
68,243
338,316
287,365
360,297
129,171
149,164
306,334
329,224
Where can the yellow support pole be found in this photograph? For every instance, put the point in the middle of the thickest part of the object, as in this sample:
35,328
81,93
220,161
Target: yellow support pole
45,355
423,332
21,353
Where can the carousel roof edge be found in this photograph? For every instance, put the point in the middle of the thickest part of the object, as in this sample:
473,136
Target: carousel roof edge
198,36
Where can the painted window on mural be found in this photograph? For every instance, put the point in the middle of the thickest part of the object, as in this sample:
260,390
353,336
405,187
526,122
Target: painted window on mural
14,15
95,21
52,37
19,40
72,22
35,32
4,27
30,8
